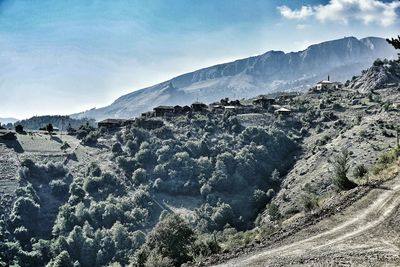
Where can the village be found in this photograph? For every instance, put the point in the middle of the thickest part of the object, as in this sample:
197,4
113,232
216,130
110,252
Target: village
279,106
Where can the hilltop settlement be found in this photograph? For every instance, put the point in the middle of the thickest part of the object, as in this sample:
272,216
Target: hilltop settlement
279,105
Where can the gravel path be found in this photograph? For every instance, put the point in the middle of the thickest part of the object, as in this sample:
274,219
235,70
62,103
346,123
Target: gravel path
362,235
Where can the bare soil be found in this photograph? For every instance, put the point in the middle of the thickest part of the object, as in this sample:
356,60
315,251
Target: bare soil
364,233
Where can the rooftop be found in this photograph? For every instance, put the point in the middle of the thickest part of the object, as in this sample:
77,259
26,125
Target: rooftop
112,121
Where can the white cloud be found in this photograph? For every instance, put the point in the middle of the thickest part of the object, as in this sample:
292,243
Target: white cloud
302,26
366,11
303,13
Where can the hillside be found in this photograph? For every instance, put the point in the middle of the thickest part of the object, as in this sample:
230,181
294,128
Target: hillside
7,120
212,185
61,122
249,77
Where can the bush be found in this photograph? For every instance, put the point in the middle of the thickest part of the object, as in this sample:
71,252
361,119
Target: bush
19,128
168,243
308,202
91,138
156,260
139,176
59,188
360,171
341,168
117,148
62,260
25,213
260,199
106,183
273,212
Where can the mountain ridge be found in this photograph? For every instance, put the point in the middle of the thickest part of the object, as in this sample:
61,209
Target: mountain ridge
269,72
7,120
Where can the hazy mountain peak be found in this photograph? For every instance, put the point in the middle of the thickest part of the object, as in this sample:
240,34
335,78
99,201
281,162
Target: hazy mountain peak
270,72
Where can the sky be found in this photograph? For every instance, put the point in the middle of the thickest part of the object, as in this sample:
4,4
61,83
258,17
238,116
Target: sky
62,57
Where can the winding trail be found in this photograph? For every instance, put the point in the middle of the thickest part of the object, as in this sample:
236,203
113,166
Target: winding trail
357,236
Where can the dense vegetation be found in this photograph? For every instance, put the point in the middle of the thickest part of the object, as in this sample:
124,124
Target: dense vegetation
61,122
105,214
114,211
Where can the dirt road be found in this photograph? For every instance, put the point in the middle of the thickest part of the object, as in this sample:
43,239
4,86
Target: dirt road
365,234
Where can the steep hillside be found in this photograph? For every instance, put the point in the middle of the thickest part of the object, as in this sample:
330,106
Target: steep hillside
381,74
266,73
212,184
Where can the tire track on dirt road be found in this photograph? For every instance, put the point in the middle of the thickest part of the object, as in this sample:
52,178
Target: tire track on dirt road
363,221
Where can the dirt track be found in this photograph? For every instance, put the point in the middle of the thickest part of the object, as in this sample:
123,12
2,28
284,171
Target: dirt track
365,234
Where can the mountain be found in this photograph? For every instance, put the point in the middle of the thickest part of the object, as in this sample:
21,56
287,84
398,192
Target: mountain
8,120
266,73
379,76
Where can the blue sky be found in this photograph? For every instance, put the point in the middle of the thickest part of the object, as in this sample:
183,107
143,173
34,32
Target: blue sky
61,57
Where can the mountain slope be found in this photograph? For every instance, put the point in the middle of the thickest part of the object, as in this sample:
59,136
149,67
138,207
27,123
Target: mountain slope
378,76
266,73
8,120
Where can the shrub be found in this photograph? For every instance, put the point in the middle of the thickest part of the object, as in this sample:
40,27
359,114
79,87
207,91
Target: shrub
273,212
260,199
106,183
308,202
139,176
223,215
170,239
59,188
341,168
19,128
117,148
91,138
62,260
25,212
156,260
360,171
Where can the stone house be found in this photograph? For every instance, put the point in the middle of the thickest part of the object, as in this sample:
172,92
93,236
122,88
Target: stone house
198,107
161,111
112,123
264,102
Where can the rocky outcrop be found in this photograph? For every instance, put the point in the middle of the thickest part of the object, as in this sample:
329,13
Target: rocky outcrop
381,75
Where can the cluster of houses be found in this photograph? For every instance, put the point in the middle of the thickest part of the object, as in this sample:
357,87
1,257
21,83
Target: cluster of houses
261,104
148,120
258,105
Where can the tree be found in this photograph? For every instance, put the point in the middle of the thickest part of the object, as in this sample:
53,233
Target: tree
171,238
395,43
273,212
62,260
25,213
50,128
19,128
341,168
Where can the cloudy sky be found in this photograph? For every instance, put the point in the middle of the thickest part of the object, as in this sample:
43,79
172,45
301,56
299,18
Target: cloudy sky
61,57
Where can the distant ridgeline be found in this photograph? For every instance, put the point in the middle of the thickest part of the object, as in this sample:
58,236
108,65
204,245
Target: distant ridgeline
61,122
